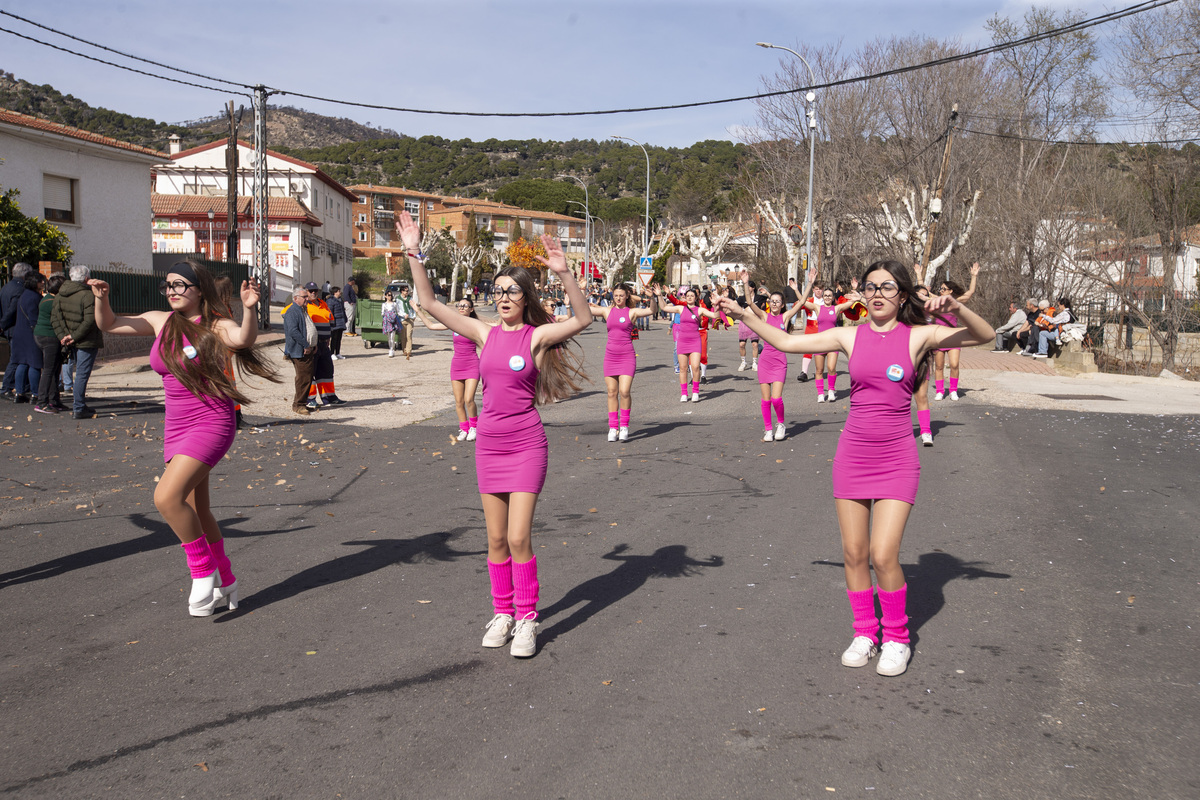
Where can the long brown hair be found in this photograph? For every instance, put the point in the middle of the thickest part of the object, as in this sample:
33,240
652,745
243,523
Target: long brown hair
628,294
911,311
562,367
206,375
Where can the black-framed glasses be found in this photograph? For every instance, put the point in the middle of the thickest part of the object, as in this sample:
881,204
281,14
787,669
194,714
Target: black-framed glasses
177,287
463,306
515,292
887,289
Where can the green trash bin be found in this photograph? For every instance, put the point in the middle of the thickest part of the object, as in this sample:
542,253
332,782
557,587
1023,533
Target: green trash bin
369,315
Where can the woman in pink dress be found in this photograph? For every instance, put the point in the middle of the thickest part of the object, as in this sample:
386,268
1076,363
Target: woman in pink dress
525,360
192,348
620,359
464,370
950,354
876,471
687,334
772,362
827,313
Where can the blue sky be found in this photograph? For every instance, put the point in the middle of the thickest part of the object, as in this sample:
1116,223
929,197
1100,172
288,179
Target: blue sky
472,55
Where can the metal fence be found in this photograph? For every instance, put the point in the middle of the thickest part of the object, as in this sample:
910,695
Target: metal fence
1114,310
136,292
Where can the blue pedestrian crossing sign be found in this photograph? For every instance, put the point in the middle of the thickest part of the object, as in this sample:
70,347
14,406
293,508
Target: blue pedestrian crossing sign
646,264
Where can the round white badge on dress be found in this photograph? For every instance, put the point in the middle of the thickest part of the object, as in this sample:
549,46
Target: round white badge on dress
621,320
895,373
516,363
190,351
783,326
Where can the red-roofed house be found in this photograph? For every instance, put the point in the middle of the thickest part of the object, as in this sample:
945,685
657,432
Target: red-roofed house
309,213
95,189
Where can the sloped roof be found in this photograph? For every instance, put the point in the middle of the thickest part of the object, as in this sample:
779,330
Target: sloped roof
34,123
193,205
302,164
505,211
364,188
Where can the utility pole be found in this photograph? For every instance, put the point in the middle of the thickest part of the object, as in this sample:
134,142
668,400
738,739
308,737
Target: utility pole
935,205
231,179
262,268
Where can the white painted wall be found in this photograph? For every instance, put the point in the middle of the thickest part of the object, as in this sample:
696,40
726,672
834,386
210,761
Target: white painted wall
112,195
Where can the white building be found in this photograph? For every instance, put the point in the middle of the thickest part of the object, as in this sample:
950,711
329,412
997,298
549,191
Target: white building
309,218
93,188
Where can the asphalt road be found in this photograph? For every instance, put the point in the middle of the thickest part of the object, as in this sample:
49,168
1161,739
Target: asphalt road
693,611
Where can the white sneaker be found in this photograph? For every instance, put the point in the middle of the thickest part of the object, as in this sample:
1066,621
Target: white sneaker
755,364
462,435
893,659
742,366
524,638
953,395
927,439
499,631
831,395
695,397
612,434
470,434
391,353
780,432
683,398
768,436
820,398
939,396
623,435
860,651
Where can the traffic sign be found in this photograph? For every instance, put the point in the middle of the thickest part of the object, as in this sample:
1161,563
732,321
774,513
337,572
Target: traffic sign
645,277
646,264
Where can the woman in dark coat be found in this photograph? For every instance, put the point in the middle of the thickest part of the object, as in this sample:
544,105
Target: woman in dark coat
25,352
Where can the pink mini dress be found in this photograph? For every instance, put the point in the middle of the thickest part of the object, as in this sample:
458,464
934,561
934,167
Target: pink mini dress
826,318
202,428
772,363
511,449
464,364
619,356
950,321
876,454
688,331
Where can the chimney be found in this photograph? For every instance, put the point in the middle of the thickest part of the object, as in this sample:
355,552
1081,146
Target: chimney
174,144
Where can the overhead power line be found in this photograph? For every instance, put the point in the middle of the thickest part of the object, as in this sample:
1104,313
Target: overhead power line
1014,137
1101,19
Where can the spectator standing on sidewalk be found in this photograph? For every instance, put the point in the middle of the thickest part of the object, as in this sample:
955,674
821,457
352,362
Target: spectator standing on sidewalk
350,298
49,400
404,310
300,347
324,391
74,320
338,307
9,296
25,352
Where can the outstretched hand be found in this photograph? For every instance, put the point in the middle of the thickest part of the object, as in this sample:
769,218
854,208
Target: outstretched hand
729,306
944,303
410,232
99,288
555,260
251,293
975,268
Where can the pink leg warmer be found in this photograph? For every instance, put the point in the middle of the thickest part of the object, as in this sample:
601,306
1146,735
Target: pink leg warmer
218,553
695,387
777,404
923,421
954,384
939,386
862,605
831,382
472,422
895,620
525,579
766,412
612,419
624,412
683,388
502,587
199,558
464,426
820,386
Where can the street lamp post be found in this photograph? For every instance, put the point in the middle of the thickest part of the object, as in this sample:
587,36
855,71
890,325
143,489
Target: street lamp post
587,222
811,97
209,251
646,238
587,238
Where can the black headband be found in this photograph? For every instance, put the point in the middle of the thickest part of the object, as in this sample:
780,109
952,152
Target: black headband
185,269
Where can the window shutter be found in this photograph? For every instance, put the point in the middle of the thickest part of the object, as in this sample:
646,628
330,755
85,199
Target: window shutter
56,193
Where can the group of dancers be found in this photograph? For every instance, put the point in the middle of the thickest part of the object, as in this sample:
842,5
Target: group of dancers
525,360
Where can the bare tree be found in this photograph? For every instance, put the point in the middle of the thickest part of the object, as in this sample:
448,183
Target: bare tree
704,246
613,250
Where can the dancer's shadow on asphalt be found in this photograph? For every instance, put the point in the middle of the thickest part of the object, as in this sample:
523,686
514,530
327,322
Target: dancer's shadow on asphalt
602,591
656,430
159,537
378,553
927,581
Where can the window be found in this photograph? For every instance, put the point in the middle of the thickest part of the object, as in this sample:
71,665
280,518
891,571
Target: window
362,236
362,219
362,199
413,207
429,206
58,199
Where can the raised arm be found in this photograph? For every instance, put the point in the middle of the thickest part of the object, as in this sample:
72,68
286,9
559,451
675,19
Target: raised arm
970,292
664,305
750,304
598,311
146,324
430,323
410,235
824,342
555,332
241,336
976,329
